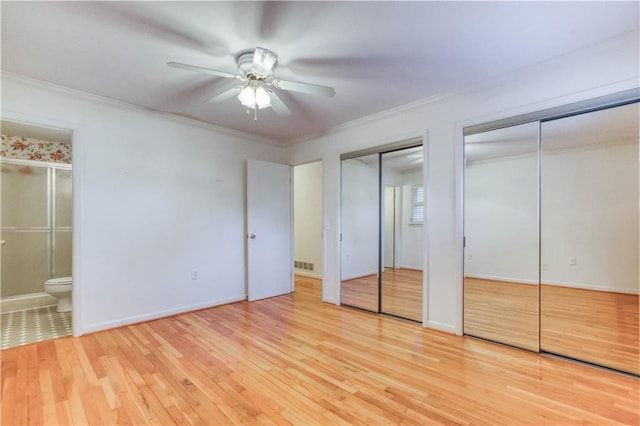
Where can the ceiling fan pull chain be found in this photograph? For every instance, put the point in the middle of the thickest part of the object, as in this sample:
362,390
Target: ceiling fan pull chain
255,114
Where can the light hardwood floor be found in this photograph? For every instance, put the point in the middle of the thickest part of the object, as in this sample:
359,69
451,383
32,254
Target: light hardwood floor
594,326
294,359
361,292
502,311
401,293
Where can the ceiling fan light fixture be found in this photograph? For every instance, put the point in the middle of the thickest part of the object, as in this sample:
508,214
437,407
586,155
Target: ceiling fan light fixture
247,97
254,96
262,98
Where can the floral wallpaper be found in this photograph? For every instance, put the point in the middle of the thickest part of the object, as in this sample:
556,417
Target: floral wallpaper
34,149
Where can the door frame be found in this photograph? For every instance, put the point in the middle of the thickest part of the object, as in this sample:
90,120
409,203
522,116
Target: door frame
77,138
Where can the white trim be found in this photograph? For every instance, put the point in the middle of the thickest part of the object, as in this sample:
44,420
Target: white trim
447,328
304,273
361,275
504,279
591,287
161,314
425,228
411,267
382,115
36,163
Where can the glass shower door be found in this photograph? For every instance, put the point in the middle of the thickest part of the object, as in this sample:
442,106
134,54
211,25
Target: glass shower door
24,229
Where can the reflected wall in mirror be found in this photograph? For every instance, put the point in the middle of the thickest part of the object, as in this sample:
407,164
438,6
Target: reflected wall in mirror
501,294
589,237
403,233
360,220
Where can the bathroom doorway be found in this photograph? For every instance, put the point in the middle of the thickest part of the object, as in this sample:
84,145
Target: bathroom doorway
36,231
308,226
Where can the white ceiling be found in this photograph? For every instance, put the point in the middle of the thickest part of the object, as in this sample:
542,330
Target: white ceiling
377,55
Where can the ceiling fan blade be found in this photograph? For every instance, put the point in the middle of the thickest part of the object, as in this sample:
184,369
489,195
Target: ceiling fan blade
203,70
312,89
227,94
278,106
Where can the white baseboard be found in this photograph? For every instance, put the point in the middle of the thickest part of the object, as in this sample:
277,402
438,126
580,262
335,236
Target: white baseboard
92,328
307,274
353,277
592,287
556,283
411,267
448,328
505,279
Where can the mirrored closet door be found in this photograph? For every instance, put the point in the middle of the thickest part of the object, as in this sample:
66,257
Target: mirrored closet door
501,236
382,232
360,218
402,236
552,232
589,237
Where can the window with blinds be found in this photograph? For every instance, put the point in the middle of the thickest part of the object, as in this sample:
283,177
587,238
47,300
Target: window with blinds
417,205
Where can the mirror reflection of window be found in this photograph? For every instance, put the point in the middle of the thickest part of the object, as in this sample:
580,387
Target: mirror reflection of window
381,244
402,280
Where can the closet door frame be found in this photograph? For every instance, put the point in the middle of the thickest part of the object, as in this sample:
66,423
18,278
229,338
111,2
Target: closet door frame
591,105
380,151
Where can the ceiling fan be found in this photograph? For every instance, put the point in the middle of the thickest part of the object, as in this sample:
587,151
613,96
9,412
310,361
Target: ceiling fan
256,67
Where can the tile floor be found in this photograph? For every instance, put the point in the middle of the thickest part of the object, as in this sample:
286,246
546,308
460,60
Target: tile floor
33,325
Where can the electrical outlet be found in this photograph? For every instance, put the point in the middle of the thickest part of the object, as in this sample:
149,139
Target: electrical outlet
194,275
545,266
573,261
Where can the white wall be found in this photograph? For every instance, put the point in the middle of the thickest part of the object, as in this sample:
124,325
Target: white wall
501,219
589,201
307,195
602,69
156,197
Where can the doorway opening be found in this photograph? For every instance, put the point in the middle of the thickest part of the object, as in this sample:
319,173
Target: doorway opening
308,225
36,233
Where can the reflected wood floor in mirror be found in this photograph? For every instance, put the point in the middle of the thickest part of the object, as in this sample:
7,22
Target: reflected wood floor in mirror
293,359
595,326
502,311
361,292
401,293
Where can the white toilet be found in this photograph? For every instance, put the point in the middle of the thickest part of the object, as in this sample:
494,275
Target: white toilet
60,288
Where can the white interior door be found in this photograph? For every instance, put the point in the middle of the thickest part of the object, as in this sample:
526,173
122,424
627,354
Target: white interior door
269,229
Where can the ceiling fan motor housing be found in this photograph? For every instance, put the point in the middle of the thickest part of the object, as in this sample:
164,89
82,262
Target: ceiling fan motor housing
245,61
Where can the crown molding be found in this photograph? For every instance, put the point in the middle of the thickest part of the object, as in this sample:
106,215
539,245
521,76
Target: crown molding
114,103
389,113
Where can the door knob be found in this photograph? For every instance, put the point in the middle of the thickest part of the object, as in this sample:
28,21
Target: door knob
252,236
2,242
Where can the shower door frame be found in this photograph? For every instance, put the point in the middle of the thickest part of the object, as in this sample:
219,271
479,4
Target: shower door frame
51,226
